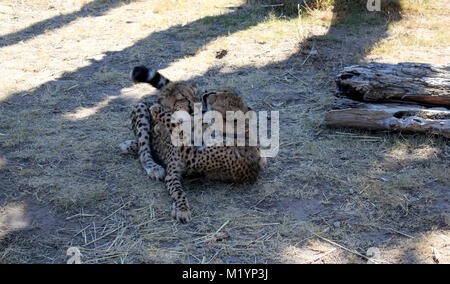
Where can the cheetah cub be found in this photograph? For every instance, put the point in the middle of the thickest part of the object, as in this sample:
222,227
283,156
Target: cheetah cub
162,160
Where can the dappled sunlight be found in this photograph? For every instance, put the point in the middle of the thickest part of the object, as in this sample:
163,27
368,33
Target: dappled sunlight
313,252
132,94
269,42
28,12
76,45
430,247
419,37
86,40
12,217
85,112
73,46
251,48
395,175
404,154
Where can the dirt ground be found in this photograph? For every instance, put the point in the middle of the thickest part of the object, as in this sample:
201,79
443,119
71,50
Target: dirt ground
329,196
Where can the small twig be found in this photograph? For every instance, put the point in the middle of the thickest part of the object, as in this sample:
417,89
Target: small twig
74,86
307,8
356,136
395,231
398,232
257,203
107,217
214,256
211,236
221,227
80,215
82,230
336,179
272,5
293,75
388,229
342,247
261,225
115,240
287,145
230,7
114,255
310,52
105,235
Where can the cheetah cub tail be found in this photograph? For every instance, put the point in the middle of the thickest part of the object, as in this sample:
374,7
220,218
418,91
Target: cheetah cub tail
141,74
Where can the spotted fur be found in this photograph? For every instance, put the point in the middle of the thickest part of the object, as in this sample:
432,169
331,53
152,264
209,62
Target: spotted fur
153,124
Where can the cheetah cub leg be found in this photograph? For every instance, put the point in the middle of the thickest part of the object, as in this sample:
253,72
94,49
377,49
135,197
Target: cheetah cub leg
175,169
180,206
140,118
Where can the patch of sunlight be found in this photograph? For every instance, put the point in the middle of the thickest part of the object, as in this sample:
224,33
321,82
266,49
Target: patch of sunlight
430,247
273,40
243,50
137,92
30,63
278,29
271,30
32,12
403,154
421,36
311,253
162,255
133,93
403,168
45,57
12,217
85,112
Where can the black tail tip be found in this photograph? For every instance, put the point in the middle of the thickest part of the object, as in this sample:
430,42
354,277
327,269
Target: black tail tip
139,74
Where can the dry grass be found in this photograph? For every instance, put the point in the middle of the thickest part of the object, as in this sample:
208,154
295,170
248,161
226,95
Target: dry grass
329,195
424,35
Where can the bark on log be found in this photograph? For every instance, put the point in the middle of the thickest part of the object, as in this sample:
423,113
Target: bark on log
419,83
392,117
393,97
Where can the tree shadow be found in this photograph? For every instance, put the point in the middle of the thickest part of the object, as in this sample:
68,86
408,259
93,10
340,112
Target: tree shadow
92,9
194,35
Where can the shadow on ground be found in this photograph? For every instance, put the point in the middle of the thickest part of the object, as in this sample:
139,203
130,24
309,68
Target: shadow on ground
92,9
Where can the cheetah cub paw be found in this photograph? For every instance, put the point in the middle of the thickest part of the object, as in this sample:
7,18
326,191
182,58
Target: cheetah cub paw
182,215
155,172
128,147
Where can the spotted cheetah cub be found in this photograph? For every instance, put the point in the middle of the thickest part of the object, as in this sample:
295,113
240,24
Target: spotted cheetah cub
161,159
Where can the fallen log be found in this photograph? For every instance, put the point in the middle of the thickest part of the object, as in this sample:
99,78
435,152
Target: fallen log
418,83
392,117
408,97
